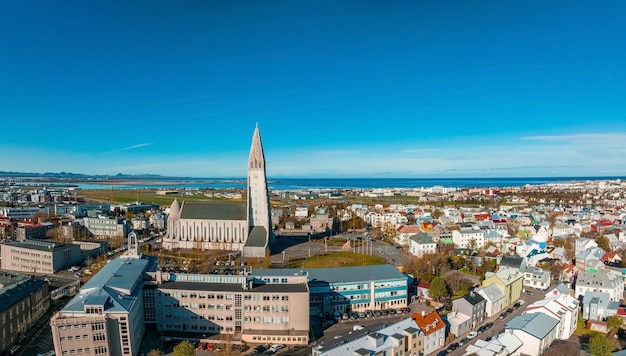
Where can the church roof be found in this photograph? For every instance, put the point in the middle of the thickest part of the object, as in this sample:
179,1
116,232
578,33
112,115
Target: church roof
257,237
214,210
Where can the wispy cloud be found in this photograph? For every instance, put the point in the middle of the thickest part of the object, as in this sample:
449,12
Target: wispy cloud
133,147
592,137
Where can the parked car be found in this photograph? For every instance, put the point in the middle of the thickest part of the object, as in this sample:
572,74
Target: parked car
384,312
472,334
488,338
344,316
259,349
361,314
502,316
464,341
489,325
276,347
453,346
47,353
210,346
201,346
443,352
369,314
529,293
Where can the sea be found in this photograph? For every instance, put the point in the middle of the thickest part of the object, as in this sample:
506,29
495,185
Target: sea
343,183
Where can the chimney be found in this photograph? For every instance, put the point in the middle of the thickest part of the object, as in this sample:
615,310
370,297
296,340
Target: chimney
423,313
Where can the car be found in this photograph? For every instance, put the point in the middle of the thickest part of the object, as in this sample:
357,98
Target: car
377,313
353,316
502,316
391,311
369,314
13,349
443,352
399,311
472,334
464,341
489,325
47,353
482,329
210,346
384,312
344,316
453,346
259,349
361,314
488,338
509,311
276,347
521,302
201,346
529,293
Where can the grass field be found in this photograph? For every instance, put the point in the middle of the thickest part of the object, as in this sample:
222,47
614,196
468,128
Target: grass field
145,195
338,259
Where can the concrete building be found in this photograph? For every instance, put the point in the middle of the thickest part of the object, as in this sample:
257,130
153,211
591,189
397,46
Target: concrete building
103,227
32,230
22,213
421,243
107,315
466,238
561,307
349,288
602,280
36,256
401,338
23,300
536,331
251,309
216,225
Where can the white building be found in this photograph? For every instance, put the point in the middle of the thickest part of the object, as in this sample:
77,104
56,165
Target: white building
561,307
602,280
215,225
466,238
422,243
495,299
536,331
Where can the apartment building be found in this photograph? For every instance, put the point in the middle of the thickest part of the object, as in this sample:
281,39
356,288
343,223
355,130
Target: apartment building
348,288
602,280
468,238
422,243
105,227
252,309
38,256
106,317
23,300
434,329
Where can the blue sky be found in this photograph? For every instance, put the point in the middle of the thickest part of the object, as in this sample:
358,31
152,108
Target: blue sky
339,88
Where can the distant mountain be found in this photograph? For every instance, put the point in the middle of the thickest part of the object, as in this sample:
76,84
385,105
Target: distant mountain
70,175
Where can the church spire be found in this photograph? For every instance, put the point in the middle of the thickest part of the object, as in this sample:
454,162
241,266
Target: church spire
257,157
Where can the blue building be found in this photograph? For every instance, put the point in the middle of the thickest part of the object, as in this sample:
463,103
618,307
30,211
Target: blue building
348,288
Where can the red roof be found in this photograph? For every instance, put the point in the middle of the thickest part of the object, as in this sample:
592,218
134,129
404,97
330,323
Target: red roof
605,222
429,323
608,256
423,285
621,311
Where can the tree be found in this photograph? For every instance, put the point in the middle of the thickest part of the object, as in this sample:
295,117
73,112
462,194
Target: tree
600,345
556,270
155,352
614,323
560,348
438,288
603,243
184,348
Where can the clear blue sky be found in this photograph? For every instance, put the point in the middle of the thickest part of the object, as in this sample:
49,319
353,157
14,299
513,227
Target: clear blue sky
339,88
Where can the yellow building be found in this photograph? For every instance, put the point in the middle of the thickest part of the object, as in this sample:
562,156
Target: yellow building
509,280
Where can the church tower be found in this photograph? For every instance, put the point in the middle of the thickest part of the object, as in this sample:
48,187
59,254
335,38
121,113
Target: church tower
259,217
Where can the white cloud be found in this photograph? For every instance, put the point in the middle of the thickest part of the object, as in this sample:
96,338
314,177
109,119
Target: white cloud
129,148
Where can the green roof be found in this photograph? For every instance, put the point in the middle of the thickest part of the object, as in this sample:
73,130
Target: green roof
214,210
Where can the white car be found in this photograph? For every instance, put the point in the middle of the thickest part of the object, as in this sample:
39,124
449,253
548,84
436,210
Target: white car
276,347
472,334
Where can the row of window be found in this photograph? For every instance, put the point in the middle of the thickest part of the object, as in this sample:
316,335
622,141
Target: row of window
228,296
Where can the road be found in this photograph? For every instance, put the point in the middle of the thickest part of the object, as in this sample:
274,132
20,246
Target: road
498,324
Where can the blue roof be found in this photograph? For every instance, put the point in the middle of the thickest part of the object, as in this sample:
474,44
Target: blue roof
115,287
536,324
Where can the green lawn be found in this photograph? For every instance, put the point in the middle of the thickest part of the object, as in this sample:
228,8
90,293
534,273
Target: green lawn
338,259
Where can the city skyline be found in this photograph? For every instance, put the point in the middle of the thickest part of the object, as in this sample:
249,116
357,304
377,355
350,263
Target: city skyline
347,89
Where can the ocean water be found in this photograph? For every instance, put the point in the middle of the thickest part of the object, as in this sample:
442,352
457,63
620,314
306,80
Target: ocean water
347,183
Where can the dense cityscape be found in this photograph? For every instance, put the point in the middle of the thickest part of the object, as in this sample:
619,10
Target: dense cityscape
532,269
